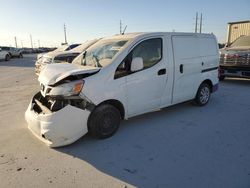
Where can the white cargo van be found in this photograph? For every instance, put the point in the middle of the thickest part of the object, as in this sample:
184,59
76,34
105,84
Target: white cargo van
120,77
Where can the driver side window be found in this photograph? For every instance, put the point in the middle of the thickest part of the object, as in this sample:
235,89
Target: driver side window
149,50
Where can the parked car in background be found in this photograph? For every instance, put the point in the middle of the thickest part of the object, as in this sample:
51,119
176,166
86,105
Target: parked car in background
62,48
235,59
4,55
121,77
14,52
59,56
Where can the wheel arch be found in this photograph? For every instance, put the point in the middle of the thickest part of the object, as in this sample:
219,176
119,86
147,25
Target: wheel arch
208,82
117,104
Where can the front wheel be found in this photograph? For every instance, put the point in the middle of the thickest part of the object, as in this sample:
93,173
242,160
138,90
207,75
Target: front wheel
104,121
203,95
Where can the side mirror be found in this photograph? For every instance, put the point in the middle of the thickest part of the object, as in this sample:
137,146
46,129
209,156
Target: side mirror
136,64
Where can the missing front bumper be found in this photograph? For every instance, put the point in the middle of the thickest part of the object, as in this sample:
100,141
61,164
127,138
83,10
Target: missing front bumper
58,128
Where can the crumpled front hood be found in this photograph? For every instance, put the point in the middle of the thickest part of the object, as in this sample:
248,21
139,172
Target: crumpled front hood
53,73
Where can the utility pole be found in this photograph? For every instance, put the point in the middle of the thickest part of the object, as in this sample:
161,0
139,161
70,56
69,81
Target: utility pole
120,27
38,42
196,22
31,41
65,35
22,43
15,42
201,23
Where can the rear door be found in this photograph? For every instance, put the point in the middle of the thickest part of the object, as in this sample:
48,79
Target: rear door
188,64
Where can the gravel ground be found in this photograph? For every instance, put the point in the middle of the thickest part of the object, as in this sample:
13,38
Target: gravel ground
180,146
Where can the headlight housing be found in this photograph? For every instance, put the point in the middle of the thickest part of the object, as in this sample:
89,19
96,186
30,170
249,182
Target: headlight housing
68,89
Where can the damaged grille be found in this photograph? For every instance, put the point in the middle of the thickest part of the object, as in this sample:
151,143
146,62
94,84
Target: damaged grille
45,89
47,104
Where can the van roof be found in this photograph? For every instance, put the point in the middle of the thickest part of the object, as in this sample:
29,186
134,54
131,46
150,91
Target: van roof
148,34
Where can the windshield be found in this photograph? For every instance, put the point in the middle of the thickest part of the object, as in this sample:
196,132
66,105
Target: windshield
84,46
101,53
242,41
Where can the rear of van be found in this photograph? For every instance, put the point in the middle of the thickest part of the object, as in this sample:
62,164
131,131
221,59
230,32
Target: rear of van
196,60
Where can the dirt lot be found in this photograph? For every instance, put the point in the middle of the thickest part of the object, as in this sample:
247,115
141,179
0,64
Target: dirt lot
180,146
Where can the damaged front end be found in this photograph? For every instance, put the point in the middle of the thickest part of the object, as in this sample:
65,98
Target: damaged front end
58,122
58,114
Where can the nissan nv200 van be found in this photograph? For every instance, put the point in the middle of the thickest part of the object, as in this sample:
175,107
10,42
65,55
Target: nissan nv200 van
120,77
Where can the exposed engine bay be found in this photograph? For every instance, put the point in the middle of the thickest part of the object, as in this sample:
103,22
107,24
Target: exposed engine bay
48,104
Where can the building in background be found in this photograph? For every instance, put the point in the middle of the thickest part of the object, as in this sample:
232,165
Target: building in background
237,29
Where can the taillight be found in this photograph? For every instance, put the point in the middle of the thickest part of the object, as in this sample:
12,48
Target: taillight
232,55
236,55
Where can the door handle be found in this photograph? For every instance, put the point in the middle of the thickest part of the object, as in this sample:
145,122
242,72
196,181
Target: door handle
162,71
181,68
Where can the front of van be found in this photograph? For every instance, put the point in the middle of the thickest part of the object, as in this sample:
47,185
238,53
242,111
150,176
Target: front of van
58,113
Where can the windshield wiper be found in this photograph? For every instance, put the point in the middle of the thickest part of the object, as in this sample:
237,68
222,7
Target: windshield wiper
97,61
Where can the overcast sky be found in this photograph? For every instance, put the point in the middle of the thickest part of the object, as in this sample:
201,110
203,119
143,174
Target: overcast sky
85,20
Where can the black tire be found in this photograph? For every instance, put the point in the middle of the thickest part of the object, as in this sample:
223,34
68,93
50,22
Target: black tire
20,55
7,57
203,95
104,121
221,78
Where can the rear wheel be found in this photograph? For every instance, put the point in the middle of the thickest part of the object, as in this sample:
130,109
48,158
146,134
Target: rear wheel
203,94
104,121
7,57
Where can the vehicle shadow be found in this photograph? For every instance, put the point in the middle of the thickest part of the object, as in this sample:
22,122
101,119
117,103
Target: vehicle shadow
147,151
26,61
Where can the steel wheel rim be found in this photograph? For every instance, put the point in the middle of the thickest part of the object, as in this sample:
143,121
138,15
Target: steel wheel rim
106,124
